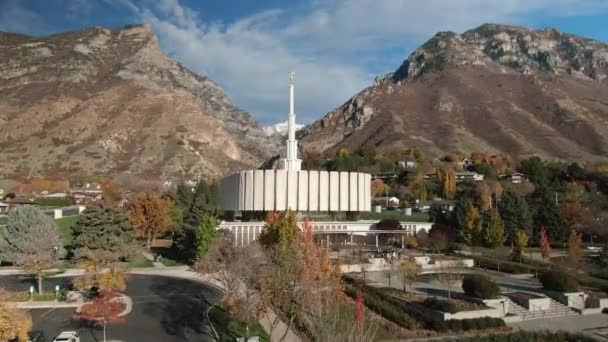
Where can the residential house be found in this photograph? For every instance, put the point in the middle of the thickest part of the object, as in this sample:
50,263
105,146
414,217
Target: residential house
462,176
89,192
392,201
516,178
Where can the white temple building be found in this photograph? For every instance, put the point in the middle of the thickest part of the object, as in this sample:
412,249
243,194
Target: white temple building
291,188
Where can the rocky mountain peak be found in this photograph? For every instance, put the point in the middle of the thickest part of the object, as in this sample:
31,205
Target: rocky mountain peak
507,49
103,101
496,88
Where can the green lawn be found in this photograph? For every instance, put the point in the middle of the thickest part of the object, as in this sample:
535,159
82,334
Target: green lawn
229,329
139,261
171,262
65,228
168,257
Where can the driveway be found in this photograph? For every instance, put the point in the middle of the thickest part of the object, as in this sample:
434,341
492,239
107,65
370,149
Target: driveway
164,309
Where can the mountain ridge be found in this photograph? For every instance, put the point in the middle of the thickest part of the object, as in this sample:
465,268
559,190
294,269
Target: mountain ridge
101,101
497,88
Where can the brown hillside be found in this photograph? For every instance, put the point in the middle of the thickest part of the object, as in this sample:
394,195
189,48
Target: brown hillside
498,89
110,102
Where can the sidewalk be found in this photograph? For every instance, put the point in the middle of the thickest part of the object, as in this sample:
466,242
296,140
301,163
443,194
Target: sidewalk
47,305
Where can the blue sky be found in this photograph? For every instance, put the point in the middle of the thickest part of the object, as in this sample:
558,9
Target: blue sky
336,47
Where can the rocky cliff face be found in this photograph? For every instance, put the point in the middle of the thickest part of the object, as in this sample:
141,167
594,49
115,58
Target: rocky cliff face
104,102
499,89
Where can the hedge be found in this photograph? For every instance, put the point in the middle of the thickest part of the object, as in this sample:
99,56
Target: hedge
480,286
505,266
54,202
392,309
384,308
441,305
526,336
559,281
467,324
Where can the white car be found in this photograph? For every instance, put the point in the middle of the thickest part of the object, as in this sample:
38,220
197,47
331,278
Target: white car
67,336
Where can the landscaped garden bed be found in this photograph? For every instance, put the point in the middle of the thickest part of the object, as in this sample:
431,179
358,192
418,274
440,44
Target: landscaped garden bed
414,315
453,305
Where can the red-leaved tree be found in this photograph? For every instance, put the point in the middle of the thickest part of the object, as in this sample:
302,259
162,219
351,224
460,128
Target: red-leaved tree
106,307
359,309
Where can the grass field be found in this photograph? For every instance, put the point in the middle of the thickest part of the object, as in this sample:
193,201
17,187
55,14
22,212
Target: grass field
65,228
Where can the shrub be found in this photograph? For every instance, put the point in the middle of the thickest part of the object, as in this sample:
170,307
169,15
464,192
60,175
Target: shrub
384,308
480,286
525,336
468,324
403,314
441,305
558,281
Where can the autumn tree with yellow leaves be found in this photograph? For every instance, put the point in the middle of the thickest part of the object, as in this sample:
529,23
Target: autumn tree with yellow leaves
446,178
15,324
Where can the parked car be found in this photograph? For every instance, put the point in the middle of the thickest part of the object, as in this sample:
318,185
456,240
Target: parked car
67,336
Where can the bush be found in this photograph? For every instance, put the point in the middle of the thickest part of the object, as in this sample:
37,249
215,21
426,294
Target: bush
441,305
383,307
403,314
558,281
526,336
457,325
480,286
506,266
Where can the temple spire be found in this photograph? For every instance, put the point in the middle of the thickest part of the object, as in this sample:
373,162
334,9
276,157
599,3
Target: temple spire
291,162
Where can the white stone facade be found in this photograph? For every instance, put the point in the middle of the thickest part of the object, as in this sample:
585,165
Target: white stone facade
246,232
280,190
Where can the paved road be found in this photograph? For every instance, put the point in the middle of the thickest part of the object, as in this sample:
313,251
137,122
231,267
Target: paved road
164,309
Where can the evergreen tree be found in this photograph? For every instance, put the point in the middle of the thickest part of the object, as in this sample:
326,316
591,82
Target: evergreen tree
535,169
103,237
494,232
204,202
183,196
31,240
206,233
546,213
515,215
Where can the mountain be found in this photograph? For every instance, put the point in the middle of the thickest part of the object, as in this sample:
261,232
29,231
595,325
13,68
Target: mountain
110,102
497,89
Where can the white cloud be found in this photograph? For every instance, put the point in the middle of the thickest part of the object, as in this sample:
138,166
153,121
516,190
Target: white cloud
327,43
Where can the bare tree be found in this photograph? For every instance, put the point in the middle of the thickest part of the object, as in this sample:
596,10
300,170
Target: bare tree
408,273
31,240
238,270
449,277
390,270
